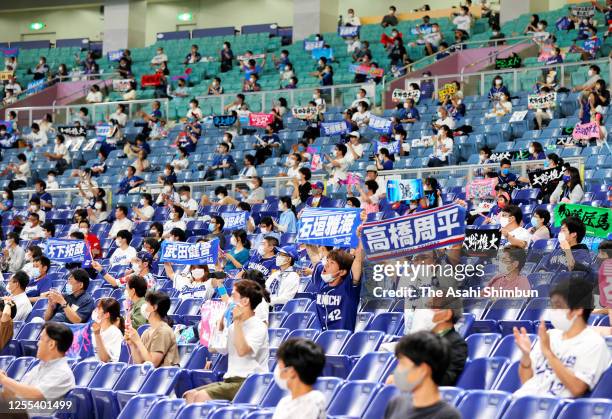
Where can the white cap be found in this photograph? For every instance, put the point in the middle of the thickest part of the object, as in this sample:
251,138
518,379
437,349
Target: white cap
355,134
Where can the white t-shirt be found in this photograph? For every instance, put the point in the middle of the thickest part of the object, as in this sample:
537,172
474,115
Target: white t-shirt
169,225
282,286
147,212
308,406
118,225
120,117
448,121
256,361
24,307
24,172
190,205
358,149
180,164
463,22
520,233
31,233
586,355
360,118
447,143
94,97
262,311
123,257
62,150
112,339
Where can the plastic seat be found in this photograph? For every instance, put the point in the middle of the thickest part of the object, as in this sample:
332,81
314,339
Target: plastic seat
452,395
198,410
332,341
371,367
378,305
481,373
507,348
380,401
533,407
277,336
161,382
137,406
357,345
298,320
276,318
587,409
504,310
482,404
603,388
164,408
84,371
19,367
297,305
363,320
310,334
388,323
352,399
481,344
254,389
509,380
231,412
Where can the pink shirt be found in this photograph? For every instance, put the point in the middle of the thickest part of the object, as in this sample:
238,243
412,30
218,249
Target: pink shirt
504,282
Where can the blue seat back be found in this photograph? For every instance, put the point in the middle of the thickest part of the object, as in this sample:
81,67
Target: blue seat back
161,380
587,409
137,406
481,373
353,398
361,343
107,375
165,408
379,404
371,366
254,388
84,371
483,404
332,341
533,407
481,344
133,377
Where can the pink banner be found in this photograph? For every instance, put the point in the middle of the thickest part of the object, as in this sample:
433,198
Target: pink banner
605,283
586,131
351,179
481,188
261,120
316,163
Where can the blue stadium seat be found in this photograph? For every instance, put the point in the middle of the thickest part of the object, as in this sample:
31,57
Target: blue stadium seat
254,389
276,318
363,320
603,388
297,305
84,371
231,412
352,399
481,373
452,395
198,410
380,401
332,341
507,348
507,309
482,404
310,334
160,382
298,320
5,361
357,345
165,408
587,409
138,405
20,366
509,380
481,344
388,323
277,336
533,407
371,367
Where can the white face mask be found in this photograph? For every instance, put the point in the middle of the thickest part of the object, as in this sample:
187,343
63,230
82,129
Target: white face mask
98,205
233,241
423,320
498,82
327,278
531,149
84,231
439,114
167,189
33,208
4,195
280,382
144,310
220,196
197,273
282,260
94,316
591,73
184,198
504,221
260,250
561,237
558,318
136,267
142,202
397,137
50,178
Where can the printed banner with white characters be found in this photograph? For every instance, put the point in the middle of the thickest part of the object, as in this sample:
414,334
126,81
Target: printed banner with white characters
329,226
334,128
379,124
67,251
234,220
409,234
181,253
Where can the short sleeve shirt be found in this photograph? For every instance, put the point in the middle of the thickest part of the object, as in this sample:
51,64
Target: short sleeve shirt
161,339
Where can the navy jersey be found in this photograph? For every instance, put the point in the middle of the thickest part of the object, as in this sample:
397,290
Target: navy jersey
264,265
336,306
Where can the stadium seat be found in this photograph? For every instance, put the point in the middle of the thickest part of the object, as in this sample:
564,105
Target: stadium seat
483,404
481,344
164,408
138,405
332,341
230,412
452,395
357,345
481,373
380,401
388,323
254,389
533,407
603,388
277,336
352,399
587,409
371,366
507,348
20,366
509,380
298,320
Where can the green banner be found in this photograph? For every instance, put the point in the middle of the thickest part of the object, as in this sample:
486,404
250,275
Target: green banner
595,219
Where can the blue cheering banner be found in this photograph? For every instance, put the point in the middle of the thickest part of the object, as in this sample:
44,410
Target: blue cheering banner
335,128
8,125
393,147
403,236
9,52
382,125
181,253
310,45
348,31
115,55
234,220
224,120
102,130
82,345
36,86
329,226
404,190
67,251
322,52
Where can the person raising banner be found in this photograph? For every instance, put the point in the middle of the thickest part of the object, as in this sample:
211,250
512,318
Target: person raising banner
337,280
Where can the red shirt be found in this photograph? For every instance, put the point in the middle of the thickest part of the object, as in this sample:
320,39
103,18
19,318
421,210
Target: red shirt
94,245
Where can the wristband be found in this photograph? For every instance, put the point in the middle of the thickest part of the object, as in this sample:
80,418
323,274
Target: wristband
222,291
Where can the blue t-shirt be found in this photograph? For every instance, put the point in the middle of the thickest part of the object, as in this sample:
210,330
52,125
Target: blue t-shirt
248,71
83,305
38,287
288,219
336,306
412,113
45,196
327,79
496,92
504,182
264,265
124,185
427,88
387,165
221,159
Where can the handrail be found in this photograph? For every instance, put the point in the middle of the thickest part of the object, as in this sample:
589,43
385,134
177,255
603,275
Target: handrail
291,93
54,108
408,67
494,54
278,180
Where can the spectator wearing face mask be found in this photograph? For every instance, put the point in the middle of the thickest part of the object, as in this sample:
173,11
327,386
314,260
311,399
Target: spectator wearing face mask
193,276
13,254
157,344
40,282
107,329
509,277
264,260
76,305
540,221
124,253
135,291
568,360
215,229
299,363
497,89
510,219
283,283
569,190
121,222
238,255
187,203
255,194
423,359
287,222
16,287
390,19
175,220
408,114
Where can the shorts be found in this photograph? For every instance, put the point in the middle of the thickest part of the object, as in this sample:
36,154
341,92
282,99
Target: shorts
225,390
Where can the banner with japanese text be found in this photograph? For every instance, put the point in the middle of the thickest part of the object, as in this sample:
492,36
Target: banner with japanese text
367,70
69,131
542,100
121,85
348,31
329,226
481,242
400,95
304,112
542,177
514,61
586,131
261,120
380,124
224,120
234,220
334,128
393,147
181,253
595,219
414,233
310,45
67,251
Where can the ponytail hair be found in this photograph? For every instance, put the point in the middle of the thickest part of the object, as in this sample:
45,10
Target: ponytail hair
242,235
287,201
112,307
